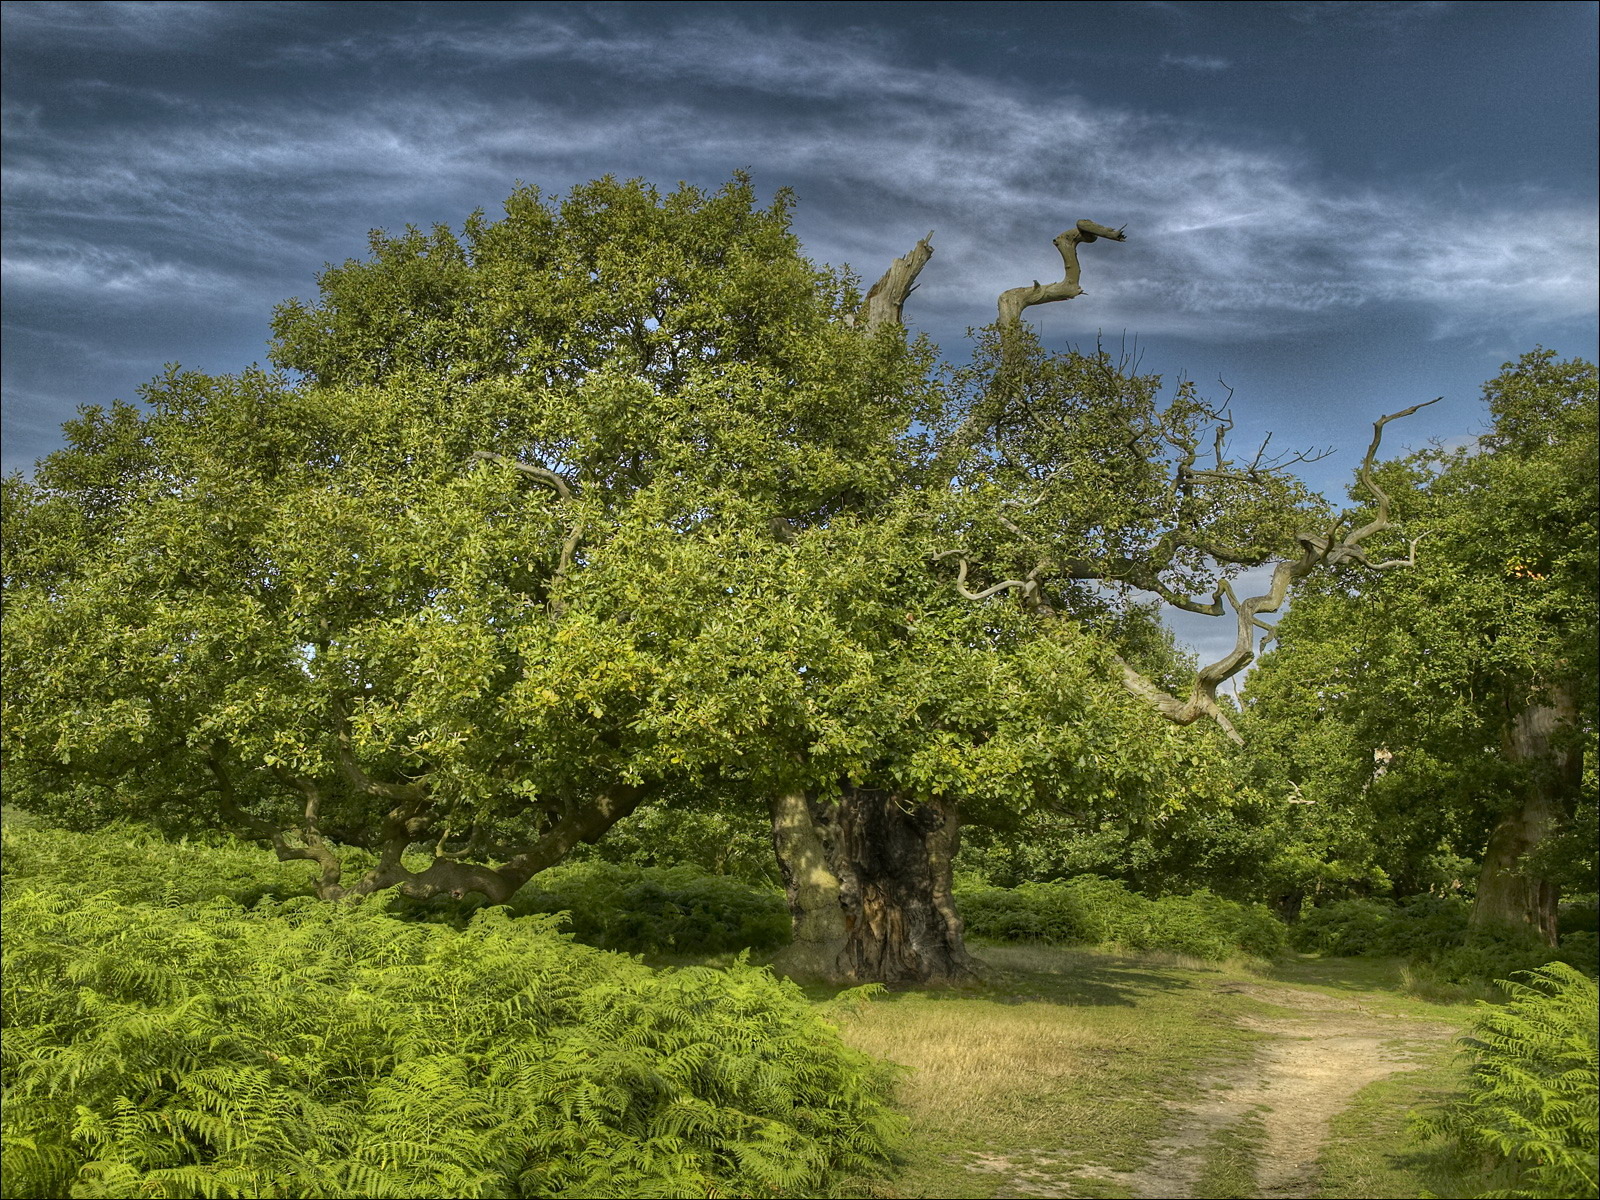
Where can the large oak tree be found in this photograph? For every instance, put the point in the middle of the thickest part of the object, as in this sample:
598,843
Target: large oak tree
618,500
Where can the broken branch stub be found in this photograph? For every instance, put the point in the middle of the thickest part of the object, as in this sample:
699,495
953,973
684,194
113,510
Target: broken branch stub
886,299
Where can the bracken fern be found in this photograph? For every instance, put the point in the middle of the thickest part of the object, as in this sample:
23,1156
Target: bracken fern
175,1048
1530,1104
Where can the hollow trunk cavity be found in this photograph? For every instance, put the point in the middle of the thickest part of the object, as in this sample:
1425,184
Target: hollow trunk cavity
868,880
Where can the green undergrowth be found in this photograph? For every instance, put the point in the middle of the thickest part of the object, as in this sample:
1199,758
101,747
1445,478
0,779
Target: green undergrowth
163,1040
1090,910
1432,933
1530,1111
663,912
138,865
182,1020
661,909
1519,1122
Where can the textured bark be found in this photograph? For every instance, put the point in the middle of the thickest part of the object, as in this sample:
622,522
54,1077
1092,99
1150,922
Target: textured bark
869,886
1013,300
811,887
885,301
1508,895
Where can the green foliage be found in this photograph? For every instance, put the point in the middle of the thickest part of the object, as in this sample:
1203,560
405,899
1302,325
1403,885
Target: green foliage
280,603
679,909
1382,928
1091,910
721,838
1432,931
136,865
1403,701
165,1046
1529,1108
1248,847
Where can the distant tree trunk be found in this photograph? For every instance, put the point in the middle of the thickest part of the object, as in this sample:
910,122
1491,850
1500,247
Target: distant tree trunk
1289,904
869,886
1508,895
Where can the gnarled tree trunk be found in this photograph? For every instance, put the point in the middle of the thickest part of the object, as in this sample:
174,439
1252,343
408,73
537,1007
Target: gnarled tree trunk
868,880
1509,896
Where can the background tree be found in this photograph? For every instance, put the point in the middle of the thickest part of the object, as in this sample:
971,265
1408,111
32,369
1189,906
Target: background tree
1461,694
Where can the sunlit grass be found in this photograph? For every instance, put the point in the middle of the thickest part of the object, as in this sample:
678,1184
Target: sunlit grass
1054,1070
1052,1074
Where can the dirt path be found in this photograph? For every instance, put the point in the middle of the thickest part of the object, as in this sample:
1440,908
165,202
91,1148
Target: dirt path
1310,1070
1316,1062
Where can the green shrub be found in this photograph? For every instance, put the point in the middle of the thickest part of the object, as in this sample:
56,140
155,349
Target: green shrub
1416,926
1529,1108
1486,956
614,907
1580,915
1432,931
304,1049
642,909
1091,910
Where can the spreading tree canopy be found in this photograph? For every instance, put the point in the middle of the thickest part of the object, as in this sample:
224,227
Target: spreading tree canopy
619,500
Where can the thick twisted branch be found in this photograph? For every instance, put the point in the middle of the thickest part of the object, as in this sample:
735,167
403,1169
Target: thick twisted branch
314,849
1014,300
403,793
1316,550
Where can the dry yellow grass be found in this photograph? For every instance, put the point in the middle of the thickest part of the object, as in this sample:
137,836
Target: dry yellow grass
1062,1057
1071,1072
978,1063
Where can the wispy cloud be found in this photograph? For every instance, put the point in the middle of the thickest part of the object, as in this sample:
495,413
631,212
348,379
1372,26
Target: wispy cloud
112,274
166,23
1364,14
1206,64
1242,240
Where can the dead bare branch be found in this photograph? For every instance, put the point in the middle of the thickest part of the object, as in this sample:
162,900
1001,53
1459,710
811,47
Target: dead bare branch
1014,300
1316,550
886,299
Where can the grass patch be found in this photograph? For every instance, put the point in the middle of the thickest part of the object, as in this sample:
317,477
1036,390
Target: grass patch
1230,1160
1380,985
1372,1152
1051,1076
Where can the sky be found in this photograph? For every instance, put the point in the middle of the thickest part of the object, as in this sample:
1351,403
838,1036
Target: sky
1334,209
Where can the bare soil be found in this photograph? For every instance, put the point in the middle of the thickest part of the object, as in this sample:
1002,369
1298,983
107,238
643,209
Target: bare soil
1310,1068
